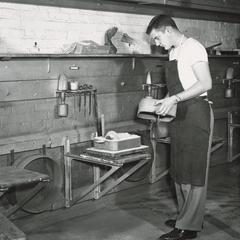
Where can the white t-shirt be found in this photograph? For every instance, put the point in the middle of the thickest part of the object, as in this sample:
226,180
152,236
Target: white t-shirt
187,54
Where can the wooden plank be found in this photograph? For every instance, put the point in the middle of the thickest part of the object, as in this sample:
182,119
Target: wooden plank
10,56
9,231
54,139
26,69
37,68
39,117
93,67
115,78
12,176
27,79
210,5
26,90
213,5
45,89
204,12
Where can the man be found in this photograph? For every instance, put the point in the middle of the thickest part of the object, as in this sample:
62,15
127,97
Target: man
188,80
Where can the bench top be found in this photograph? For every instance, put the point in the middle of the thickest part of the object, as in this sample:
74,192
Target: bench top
12,176
106,161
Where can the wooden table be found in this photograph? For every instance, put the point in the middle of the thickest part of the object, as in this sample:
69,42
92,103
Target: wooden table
113,160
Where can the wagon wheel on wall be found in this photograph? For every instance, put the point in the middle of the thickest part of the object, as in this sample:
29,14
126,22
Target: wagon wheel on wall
45,199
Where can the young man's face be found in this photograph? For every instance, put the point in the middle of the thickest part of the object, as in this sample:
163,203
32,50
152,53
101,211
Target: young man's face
161,38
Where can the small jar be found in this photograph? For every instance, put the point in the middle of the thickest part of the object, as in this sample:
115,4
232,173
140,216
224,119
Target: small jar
74,85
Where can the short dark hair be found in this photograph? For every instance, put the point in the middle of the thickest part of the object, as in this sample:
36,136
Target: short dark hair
161,21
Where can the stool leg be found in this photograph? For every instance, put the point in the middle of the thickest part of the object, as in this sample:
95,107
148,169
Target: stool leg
152,177
31,195
230,144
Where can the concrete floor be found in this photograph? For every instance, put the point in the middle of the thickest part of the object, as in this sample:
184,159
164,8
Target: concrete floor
139,213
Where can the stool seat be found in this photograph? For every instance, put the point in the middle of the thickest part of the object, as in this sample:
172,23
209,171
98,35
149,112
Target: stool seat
12,177
217,142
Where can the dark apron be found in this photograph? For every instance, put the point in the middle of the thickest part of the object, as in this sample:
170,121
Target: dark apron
189,133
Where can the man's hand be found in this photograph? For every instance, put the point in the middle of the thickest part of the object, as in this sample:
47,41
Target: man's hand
164,105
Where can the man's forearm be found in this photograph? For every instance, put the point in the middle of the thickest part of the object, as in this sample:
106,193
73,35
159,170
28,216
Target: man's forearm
194,91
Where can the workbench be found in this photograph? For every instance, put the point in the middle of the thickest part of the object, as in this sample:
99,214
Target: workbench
114,161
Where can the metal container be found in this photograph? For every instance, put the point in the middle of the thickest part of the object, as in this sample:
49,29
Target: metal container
62,110
117,145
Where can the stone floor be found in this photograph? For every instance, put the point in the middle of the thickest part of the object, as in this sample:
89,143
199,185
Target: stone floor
139,213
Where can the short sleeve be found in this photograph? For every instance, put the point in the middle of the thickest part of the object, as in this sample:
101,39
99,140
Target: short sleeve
196,52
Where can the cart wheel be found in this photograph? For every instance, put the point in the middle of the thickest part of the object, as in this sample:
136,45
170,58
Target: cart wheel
45,199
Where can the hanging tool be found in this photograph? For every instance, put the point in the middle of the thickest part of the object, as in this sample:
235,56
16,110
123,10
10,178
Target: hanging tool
90,87
62,107
85,86
90,103
102,125
95,105
80,97
87,91
79,102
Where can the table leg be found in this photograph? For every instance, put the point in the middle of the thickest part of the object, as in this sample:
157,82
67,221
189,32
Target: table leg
67,174
96,176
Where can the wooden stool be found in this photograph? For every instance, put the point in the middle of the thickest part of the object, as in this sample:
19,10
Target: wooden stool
217,142
13,177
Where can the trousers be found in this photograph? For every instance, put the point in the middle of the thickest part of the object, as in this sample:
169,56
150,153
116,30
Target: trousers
191,199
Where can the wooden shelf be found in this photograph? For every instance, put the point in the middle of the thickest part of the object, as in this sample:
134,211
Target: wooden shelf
7,57
214,10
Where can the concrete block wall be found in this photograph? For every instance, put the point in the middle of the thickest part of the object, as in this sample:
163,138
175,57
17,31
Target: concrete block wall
51,27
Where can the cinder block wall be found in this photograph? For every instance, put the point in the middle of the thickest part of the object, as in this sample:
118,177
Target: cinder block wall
51,27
